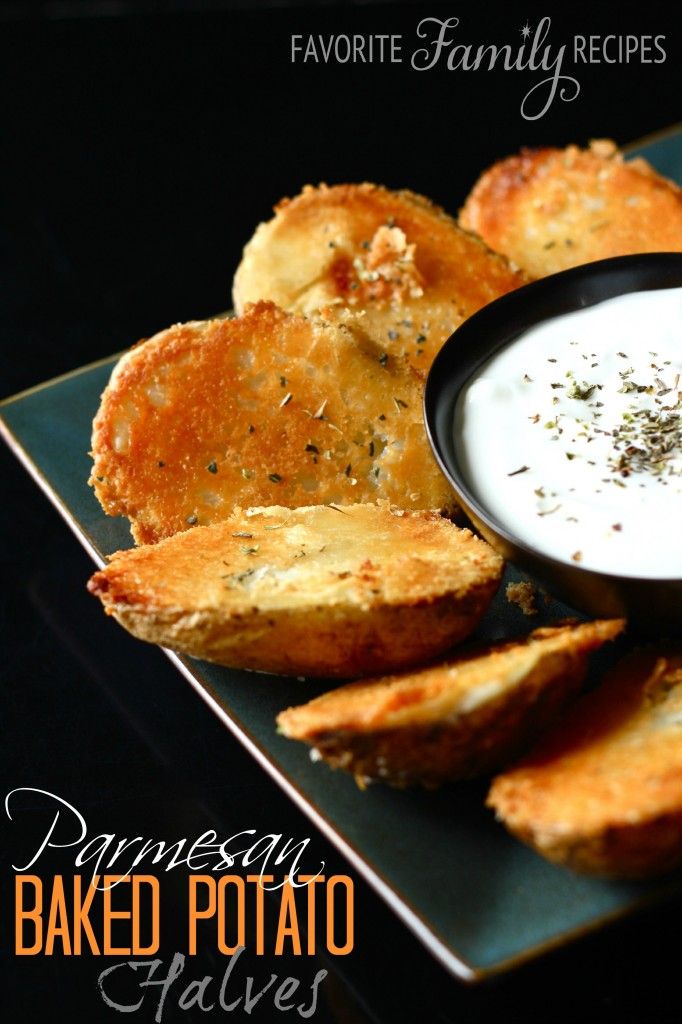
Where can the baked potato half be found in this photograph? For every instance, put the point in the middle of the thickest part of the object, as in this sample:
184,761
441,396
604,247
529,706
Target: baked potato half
397,259
550,209
459,719
602,793
269,408
325,591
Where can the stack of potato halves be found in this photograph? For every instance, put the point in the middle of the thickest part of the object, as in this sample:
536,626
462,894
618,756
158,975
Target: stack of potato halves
289,513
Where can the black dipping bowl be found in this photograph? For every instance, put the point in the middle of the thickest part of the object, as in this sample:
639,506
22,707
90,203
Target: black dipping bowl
654,605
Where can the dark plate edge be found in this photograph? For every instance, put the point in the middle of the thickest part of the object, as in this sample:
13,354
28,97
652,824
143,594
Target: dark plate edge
652,138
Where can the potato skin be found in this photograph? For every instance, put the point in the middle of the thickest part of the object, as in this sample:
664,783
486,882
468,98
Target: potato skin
312,591
394,257
550,209
459,719
602,793
265,409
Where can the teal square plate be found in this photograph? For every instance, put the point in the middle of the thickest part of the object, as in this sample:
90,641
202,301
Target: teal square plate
478,900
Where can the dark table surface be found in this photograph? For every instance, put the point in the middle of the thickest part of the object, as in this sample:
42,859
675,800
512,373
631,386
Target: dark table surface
142,143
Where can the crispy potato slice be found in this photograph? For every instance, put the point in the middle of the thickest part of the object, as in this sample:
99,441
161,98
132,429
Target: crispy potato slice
394,257
602,793
455,720
314,591
269,408
550,209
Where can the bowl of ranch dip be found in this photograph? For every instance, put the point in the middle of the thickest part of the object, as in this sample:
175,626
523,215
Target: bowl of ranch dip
556,414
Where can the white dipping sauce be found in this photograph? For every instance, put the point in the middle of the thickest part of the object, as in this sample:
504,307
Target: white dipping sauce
571,435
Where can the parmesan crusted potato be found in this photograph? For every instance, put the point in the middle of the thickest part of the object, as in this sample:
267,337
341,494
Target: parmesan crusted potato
455,720
269,408
394,257
550,209
313,591
602,793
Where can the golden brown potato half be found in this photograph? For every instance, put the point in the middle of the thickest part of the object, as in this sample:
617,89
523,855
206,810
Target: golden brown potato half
395,257
266,409
313,591
602,792
549,209
455,720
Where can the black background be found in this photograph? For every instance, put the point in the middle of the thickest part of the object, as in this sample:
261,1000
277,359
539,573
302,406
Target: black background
141,145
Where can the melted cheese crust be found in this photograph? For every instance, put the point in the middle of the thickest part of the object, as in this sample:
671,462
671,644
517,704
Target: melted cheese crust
395,258
269,408
550,209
